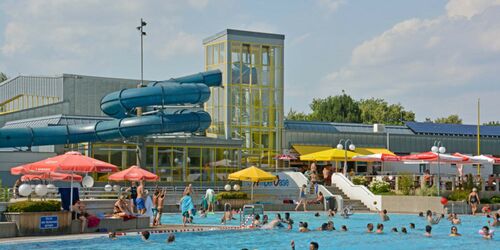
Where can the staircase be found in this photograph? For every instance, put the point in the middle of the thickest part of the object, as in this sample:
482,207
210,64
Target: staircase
357,205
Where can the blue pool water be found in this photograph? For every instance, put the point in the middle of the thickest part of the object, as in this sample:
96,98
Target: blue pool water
280,239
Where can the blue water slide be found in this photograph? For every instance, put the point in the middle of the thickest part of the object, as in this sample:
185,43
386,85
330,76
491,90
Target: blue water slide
192,89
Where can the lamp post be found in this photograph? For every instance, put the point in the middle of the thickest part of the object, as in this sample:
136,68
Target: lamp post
438,148
140,28
347,145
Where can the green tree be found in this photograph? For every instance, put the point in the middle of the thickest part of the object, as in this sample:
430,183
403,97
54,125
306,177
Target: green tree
492,123
339,108
375,110
451,119
296,116
3,77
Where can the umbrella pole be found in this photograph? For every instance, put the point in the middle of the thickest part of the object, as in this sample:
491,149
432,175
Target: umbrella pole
251,195
71,194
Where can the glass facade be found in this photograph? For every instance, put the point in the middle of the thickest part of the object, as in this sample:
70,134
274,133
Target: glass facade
250,106
180,163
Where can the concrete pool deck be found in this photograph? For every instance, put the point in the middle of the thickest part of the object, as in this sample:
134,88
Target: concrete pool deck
163,229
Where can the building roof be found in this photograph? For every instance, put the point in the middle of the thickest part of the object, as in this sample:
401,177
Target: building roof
335,127
54,120
452,129
243,33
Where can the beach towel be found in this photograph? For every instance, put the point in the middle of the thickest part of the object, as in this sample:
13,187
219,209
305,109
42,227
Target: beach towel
187,205
93,221
149,209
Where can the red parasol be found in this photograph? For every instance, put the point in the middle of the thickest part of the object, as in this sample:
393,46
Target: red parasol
71,161
52,176
134,173
433,157
376,157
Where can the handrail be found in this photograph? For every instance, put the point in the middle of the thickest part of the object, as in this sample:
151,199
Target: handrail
358,192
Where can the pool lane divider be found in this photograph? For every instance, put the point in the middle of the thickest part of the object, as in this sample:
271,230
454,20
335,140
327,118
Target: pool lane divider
182,230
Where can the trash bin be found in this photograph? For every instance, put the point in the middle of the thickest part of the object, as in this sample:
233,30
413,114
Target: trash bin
331,203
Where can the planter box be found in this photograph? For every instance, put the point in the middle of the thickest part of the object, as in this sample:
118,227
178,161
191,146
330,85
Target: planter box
40,223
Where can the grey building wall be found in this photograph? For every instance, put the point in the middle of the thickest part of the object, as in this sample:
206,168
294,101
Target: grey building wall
14,159
78,94
398,143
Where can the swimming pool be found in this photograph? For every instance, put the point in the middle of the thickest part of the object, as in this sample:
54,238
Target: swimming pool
355,238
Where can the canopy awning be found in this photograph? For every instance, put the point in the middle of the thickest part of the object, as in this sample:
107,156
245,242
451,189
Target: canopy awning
133,173
308,149
370,151
329,155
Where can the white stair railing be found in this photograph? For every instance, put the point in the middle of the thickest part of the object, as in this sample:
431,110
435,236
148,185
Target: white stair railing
300,179
357,192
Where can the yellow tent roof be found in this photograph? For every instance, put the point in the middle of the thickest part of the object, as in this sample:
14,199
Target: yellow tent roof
328,155
253,174
308,149
369,151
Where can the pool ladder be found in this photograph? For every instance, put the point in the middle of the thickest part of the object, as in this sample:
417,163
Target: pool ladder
249,211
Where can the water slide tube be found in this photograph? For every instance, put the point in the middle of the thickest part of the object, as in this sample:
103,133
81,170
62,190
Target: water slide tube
122,105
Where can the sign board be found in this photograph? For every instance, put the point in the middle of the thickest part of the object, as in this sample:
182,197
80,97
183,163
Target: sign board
283,181
49,222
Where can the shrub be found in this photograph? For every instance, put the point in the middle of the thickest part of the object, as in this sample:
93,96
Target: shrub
495,199
458,195
232,196
378,187
359,180
35,206
427,191
405,184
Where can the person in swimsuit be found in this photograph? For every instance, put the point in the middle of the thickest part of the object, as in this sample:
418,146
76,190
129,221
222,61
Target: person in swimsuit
455,220
121,208
140,202
161,201
80,213
133,195
302,198
454,231
428,230
380,228
369,228
431,219
474,201
154,208
487,234
210,198
383,215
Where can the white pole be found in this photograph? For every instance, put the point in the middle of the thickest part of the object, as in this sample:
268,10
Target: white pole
71,194
251,195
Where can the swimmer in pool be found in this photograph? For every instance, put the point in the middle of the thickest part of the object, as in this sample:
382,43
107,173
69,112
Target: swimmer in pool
394,230
369,228
428,230
403,230
343,228
455,220
496,220
380,228
303,227
383,215
487,234
276,223
412,225
331,227
432,219
288,221
454,231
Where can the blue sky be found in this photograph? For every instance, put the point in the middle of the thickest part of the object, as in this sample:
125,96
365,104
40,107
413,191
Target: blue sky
435,57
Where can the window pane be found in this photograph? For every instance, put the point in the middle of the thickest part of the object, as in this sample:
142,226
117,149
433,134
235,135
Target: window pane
216,54
221,53
210,55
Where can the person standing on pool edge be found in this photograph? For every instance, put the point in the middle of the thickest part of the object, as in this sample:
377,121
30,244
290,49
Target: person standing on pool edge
133,195
140,203
474,201
302,198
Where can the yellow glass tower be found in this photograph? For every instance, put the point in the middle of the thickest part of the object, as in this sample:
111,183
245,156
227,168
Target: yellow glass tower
249,106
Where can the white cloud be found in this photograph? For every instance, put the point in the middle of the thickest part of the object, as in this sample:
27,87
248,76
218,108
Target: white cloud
331,5
468,8
54,36
442,62
299,39
181,44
